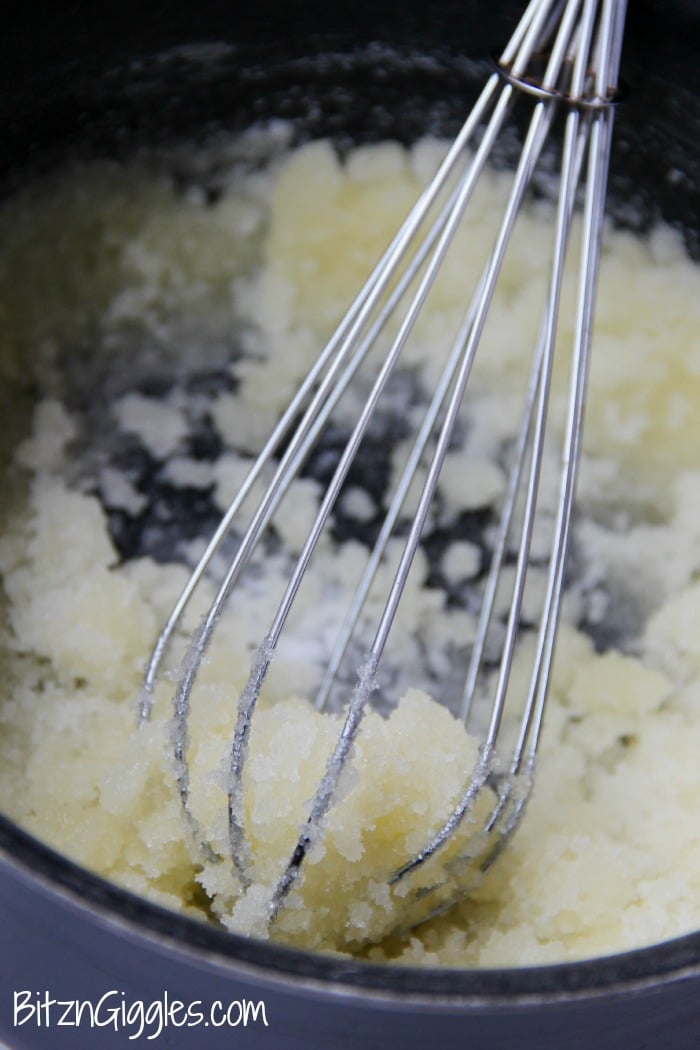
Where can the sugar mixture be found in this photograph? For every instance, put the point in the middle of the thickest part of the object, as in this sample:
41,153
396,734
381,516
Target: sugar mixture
152,328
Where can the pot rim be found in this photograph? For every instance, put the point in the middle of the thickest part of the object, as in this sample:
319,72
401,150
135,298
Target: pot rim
137,919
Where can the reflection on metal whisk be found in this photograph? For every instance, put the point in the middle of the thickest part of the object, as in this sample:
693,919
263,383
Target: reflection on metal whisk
563,59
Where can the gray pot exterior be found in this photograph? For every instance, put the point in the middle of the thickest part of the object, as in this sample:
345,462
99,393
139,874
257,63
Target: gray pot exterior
75,949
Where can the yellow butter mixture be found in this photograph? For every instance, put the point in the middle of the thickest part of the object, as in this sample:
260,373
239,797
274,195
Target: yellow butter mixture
121,296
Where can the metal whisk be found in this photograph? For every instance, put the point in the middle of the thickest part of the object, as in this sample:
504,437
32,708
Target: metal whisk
563,59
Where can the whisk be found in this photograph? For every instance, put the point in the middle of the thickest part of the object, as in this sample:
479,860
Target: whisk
563,59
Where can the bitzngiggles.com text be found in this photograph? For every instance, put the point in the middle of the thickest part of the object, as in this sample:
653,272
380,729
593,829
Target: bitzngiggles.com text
134,1017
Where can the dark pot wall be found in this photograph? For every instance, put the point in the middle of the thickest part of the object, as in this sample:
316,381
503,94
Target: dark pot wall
67,77
79,939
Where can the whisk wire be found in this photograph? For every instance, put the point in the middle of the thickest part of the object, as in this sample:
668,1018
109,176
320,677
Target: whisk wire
523,755
340,343
513,797
582,40
339,346
534,419
538,128
358,702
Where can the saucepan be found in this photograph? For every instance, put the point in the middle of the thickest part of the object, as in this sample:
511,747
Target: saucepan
99,80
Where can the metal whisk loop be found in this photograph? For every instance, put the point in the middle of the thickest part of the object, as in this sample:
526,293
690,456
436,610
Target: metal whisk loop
341,357
510,805
337,350
573,145
578,42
